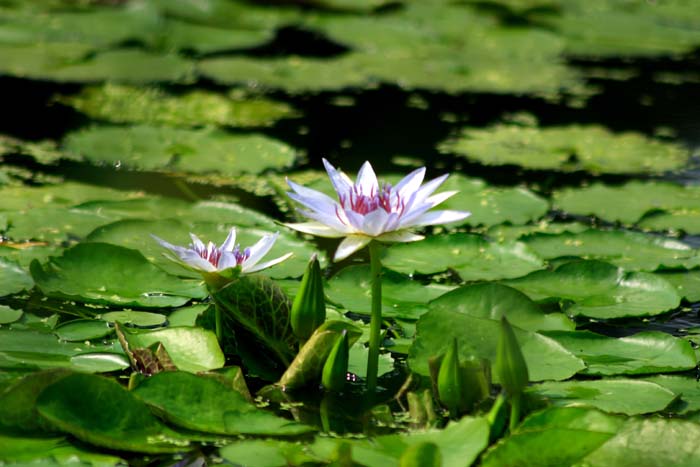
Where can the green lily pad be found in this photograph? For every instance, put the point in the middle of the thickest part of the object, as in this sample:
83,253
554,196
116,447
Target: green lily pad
40,60
685,220
491,205
472,256
630,202
493,301
642,353
687,386
190,349
600,290
101,412
104,273
28,349
401,296
478,337
568,149
65,194
125,104
626,396
575,432
504,232
53,224
687,283
9,315
13,279
358,357
139,319
653,441
56,451
197,151
78,330
205,404
187,315
630,250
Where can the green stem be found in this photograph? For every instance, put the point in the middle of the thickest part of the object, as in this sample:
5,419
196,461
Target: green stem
218,324
515,401
375,326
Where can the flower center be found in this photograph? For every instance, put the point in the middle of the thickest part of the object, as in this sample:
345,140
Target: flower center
364,204
240,256
213,254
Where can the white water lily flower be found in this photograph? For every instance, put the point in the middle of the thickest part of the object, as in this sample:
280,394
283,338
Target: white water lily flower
367,211
209,258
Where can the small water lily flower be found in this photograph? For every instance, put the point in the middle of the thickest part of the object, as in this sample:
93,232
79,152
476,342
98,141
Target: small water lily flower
210,259
366,210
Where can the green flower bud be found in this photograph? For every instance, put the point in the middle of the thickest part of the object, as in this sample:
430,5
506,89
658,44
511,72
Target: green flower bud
309,307
335,369
510,367
449,381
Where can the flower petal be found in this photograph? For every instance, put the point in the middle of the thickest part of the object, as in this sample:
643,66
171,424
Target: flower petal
266,264
227,260
340,181
350,245
311,198
192,259
260,249
441,217
316,228
367,180
375,222
410,183
197,244
230,241
400,236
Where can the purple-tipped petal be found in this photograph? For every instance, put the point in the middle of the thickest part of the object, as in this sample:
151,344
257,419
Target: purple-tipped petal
196,242
340,181
367,180
350,245
230,241
267,264
410,183
260,249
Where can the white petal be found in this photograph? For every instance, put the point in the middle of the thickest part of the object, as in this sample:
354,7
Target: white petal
316,228
267,264
355,219
440,197
350,245
410,183
196,242
259,250
340,181
400,236
333,221
367,180
441,217
375,222
230,241
426,190
227,260
174,248
311,198
192,259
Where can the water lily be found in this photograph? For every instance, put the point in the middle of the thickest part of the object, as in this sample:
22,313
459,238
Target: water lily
367,210
209,258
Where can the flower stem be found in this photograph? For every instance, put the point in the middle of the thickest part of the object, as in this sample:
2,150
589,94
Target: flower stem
375,326
218,323
515,402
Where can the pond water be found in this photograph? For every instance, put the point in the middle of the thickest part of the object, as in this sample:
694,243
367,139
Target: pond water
577,153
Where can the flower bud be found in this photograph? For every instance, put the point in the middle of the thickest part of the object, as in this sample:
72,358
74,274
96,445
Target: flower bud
335,369
309,307
449,381
510,367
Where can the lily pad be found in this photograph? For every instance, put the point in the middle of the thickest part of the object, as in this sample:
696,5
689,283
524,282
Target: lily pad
51,224
568,149
153,106
80,330
600,290
492,205
516,232
687,283
642,353
357,363
104,273
205,404
626,396
575,431
9,315
139,319
13,278
100,411
65,194
401,297
478,337
493,301
684,385
630,202
630,250
52,451
472,256
190,349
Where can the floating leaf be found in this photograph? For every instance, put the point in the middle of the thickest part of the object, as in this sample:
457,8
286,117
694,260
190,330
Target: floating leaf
575,432
195,151
13,279
125,104
493,301
139,319
205,404
54,451
472,256
600,290
104,273
9,315
645,352
478,338
626,396
568,149
78,330
630,250
100,411
53,224
687,386
401,296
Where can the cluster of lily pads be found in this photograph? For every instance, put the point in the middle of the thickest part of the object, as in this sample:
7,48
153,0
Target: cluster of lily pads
560,315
